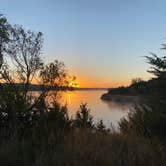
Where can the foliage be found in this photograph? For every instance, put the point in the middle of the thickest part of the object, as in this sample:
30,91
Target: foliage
5,29
148,121
136,81
83,118
158,66
101,127
25,52
54,74
21,111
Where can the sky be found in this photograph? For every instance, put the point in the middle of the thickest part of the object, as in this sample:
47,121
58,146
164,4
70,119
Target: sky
101,42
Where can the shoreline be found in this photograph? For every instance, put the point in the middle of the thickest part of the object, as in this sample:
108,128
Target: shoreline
121,98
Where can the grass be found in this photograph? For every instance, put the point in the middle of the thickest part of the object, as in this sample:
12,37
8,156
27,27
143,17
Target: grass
82,147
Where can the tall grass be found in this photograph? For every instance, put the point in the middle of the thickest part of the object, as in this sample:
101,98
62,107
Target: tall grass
60,141
82,147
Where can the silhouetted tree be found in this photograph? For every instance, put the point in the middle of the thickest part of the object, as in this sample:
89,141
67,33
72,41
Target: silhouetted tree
4,36
83,118
100,126
158,65
25,52
19,109
54,74
136,81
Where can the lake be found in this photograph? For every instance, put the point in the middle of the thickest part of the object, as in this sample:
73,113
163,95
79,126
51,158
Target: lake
109,112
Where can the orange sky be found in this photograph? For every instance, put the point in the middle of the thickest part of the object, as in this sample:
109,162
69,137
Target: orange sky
106,80
87,83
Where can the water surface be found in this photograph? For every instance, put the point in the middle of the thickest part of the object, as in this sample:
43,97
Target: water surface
109,112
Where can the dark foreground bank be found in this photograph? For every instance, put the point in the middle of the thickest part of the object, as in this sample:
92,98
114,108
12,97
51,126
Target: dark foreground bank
138,92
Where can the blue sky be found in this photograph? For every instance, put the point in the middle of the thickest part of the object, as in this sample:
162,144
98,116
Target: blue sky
102,42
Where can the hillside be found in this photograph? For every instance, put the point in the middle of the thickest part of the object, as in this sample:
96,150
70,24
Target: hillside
153,87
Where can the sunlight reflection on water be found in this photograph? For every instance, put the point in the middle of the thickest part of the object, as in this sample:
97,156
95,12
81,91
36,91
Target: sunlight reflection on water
109,112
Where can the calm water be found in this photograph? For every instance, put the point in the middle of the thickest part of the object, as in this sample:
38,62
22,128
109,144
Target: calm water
109,112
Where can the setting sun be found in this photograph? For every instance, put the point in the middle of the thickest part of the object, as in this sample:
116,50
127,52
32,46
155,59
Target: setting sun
74,84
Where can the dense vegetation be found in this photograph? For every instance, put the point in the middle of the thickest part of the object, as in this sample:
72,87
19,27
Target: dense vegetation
36,130
154,86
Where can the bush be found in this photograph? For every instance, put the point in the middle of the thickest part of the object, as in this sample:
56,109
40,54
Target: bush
148,121
83,118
